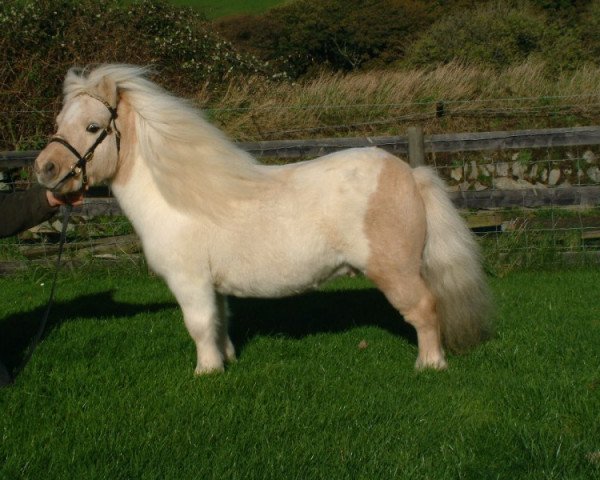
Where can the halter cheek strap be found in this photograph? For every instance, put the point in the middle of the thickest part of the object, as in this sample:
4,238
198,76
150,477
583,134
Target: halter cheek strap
79,167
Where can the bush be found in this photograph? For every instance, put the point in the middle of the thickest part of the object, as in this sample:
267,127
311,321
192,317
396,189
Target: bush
339,34
494,34
304,36
41,39
590,31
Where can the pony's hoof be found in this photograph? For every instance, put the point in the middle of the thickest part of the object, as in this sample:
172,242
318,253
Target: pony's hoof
208,370
229,353
437,364
230,358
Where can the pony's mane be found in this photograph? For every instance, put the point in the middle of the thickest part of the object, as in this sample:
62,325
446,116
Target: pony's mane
195,166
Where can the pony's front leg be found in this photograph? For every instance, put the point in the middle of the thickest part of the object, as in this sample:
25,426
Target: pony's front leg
204,316
225,343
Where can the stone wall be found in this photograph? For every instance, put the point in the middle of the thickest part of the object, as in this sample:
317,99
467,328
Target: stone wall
519,172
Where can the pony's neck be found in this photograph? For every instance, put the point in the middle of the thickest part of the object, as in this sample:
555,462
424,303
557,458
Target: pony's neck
133,184
194,166
139,197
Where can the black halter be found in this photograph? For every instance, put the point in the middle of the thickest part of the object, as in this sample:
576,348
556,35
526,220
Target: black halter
80,165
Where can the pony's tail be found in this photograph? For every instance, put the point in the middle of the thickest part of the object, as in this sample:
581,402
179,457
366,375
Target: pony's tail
452,268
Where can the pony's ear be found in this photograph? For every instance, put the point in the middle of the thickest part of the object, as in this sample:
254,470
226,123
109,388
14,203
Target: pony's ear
107,90
73,74
72,79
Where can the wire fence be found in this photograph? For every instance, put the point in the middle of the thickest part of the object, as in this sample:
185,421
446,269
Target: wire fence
529,207
25,127
527,212
551,232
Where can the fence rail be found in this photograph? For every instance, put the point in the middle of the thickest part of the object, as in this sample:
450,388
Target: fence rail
415,146
439,143
523,234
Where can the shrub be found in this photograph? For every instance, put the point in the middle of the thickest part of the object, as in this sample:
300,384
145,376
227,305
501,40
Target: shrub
41,39
590,31
340,34
494,34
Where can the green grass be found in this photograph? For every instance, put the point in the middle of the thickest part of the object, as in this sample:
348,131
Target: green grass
109,393
219,8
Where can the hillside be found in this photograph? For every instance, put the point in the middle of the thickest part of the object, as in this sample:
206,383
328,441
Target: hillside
218,8
307,68
305,35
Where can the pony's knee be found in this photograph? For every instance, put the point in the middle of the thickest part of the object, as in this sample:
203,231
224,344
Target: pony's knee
201,329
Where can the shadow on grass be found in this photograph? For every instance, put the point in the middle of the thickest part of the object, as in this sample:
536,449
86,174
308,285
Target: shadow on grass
315,312
17,331
294,317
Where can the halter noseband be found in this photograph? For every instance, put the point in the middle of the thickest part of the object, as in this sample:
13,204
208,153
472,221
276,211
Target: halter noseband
80,165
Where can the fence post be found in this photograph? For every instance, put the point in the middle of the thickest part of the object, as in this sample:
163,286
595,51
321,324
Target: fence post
416,147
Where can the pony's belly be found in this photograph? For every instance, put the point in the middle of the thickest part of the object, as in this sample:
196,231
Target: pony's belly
282,284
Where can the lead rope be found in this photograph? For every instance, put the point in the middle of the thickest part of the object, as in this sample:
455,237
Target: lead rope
66,212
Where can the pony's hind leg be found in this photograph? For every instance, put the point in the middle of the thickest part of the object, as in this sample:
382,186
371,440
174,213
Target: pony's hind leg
396,228
410,295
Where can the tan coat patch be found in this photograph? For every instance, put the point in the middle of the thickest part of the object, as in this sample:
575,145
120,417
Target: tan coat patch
395,225
126,125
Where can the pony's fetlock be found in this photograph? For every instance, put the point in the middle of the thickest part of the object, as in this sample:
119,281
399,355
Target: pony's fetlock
210,360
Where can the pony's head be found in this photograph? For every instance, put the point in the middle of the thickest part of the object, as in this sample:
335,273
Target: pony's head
193,165
85,148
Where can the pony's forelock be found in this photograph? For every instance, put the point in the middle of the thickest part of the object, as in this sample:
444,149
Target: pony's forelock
80,79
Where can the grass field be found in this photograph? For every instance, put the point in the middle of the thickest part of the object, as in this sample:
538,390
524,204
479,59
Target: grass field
219,8
109,393
388,102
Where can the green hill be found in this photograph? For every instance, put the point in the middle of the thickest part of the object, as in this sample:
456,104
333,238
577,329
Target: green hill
219,8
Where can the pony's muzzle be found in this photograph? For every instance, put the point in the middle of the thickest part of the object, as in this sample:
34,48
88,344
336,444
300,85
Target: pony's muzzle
47,170
52,171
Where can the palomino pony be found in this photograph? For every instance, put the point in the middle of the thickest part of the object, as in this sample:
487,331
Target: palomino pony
215,222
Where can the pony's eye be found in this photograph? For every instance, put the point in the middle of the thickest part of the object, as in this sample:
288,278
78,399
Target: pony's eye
93,128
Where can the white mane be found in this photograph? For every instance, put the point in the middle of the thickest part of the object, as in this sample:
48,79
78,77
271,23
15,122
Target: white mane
194,165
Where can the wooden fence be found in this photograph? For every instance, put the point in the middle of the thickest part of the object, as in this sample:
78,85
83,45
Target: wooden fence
399,145
416,146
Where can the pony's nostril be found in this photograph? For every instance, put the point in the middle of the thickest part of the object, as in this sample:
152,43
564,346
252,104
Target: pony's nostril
49,168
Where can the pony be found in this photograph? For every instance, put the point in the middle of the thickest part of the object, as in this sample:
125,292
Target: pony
215,222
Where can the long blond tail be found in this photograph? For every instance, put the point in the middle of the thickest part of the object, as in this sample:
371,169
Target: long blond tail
452,268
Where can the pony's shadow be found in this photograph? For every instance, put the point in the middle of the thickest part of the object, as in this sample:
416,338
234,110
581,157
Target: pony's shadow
292,317
315,312
18,331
